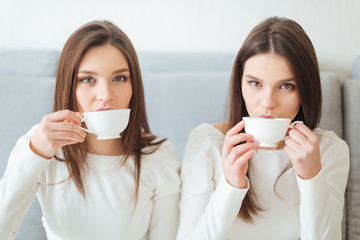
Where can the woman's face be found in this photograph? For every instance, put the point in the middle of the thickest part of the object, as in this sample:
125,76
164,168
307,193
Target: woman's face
103,80
269,88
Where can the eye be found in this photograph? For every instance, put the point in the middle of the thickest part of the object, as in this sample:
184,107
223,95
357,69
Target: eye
255,83
120,79
287,86
87,80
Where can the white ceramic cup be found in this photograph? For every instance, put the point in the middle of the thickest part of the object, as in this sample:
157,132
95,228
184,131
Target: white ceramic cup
106,124
268,131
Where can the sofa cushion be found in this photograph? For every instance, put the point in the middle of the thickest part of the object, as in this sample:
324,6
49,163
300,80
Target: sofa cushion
28,100
331,114
185,62
351,96
28,63
179,101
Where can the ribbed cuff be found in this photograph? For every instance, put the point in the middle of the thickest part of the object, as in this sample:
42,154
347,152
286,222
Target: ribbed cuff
230,194
311,187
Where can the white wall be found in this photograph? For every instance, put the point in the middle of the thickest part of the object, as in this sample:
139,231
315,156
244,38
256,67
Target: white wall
186,25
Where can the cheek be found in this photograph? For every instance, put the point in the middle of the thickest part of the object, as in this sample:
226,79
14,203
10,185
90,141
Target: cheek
130,92
126,95
80,98
250,99
293,104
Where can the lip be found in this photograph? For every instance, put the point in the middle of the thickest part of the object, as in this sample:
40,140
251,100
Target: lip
267,116
104,109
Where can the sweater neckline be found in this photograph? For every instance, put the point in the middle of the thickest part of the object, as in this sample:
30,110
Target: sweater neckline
105,162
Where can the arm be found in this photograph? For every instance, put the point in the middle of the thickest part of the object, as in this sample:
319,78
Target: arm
29,158
322,198
322,168
19,186
165,213
208,208
209,215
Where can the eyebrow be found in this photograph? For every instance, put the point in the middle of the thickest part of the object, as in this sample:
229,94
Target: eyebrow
282,80
95,73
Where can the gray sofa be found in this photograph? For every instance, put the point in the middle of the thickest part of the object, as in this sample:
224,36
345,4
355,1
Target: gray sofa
182,90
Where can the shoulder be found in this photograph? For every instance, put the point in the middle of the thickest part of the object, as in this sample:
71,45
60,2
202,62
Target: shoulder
329,140
222,127
163,155
203,149
332,146
161,167
205,134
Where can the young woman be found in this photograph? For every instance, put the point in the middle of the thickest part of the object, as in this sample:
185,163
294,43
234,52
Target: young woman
123,188
233,189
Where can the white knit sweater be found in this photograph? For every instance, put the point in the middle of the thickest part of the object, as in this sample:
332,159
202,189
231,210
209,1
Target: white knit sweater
108,212
306,209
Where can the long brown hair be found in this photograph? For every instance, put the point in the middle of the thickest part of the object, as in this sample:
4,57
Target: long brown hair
137,135
286,38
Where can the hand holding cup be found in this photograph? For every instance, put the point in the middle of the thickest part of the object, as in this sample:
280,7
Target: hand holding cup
268,131
238,148
56,130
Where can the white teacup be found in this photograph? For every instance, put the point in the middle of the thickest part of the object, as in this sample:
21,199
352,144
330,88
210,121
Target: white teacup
268,131
106,124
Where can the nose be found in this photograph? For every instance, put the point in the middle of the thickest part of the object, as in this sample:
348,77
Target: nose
269,99
104,92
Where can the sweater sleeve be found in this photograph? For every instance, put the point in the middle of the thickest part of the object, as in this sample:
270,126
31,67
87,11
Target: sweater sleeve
322,198
207,208
165,212
18,186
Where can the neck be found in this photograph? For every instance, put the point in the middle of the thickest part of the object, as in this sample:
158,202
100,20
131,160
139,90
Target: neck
104,147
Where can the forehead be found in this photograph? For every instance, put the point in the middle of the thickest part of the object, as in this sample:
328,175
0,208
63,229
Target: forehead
268,66
98,56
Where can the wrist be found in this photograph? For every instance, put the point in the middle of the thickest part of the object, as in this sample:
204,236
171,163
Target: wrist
34,149
240,183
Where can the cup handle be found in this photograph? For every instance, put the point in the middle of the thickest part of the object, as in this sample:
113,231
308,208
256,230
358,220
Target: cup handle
87,130
83,120
291,126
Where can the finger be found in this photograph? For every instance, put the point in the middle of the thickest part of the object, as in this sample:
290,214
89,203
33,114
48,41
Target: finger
231,142
81,117
293,145
304,130
239,151
236,129
297,136
290,152
241,137
63,115
238,163
66,136
80,114
310,135
67,127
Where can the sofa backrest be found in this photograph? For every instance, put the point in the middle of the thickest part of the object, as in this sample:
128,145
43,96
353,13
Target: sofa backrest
28,63
181,91
351,95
